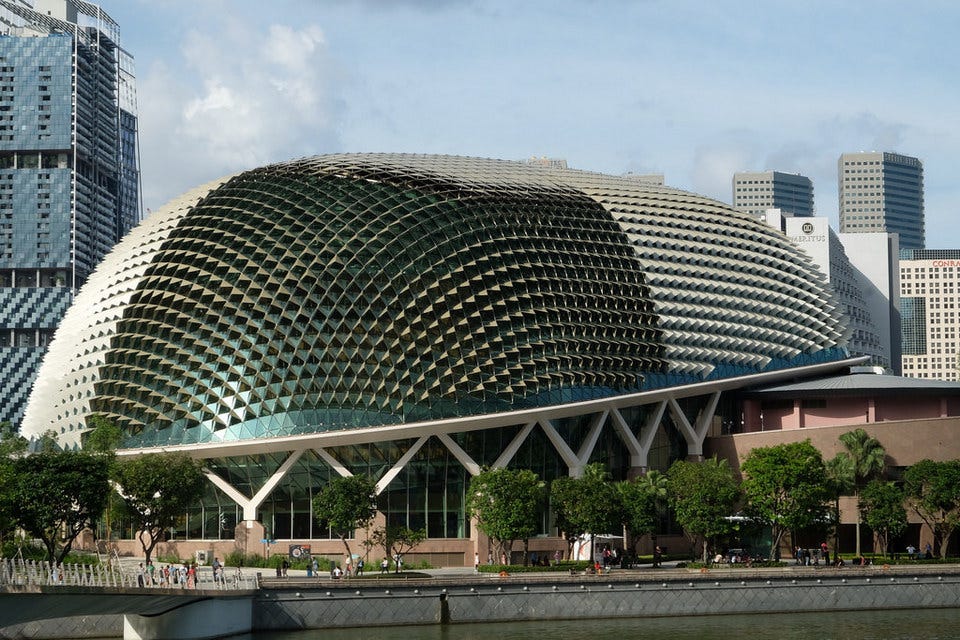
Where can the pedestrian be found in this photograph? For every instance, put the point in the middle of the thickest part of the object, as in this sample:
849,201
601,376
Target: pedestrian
360,567
285,566
476,563
141,575
384,566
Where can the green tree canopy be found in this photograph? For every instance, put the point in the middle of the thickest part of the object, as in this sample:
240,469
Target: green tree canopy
785,487
933,492
881,504
55,495
867,460
397,540
703,496
589,504
158,488
346,504
12,445
839,471
104,435
506,504
642,500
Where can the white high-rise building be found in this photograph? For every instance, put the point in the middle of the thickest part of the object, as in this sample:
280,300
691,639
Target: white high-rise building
754,193
882,192
862,271
930,308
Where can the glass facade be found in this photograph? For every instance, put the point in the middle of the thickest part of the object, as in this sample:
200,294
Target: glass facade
339,298
62,165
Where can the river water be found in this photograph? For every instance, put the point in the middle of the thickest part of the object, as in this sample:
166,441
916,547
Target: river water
940,624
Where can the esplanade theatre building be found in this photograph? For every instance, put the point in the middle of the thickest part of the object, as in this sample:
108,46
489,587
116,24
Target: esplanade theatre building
417,318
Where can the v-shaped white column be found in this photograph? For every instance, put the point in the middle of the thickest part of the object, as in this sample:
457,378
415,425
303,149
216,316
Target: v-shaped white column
250,504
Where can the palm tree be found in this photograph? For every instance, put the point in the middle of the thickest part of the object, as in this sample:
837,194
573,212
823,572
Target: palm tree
840,483
655,484
868,458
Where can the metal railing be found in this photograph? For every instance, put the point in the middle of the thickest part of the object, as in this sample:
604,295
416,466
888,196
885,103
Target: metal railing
34,573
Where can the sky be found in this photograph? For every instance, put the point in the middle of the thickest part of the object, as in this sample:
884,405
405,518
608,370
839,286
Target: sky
695,90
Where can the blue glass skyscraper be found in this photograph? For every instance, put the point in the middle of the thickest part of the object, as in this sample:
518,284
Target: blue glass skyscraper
69,177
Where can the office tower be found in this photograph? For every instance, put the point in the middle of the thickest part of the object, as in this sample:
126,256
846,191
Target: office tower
862,271
930,307
883,192
69,182
754,193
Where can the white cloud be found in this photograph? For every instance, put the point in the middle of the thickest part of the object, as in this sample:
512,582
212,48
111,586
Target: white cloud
246,97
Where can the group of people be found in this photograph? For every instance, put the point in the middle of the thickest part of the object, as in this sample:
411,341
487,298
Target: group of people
914,554
350,568
808,557
170,575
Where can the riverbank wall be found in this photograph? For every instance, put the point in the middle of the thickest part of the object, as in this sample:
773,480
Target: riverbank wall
294,604
618,595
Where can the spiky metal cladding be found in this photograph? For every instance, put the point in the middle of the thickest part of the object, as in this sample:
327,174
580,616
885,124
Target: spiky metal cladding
357,290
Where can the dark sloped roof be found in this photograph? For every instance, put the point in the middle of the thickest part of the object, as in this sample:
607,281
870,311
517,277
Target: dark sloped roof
859,384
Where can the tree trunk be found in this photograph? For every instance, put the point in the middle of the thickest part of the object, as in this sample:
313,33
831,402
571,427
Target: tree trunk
343,539
856,497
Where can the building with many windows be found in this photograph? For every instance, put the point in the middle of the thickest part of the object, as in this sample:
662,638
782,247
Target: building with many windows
69,183
863,273
418,318
930,307
754,193
882,192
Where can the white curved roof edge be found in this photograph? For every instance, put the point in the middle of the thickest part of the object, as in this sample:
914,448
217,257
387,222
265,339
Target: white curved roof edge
383,433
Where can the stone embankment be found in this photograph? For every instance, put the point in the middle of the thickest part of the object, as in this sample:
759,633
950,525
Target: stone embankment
459,596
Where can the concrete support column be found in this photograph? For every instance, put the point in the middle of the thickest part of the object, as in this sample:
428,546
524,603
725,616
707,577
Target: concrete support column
216,618
798,414
248,536
752,417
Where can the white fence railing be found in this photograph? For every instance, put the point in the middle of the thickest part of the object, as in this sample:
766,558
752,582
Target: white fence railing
20,572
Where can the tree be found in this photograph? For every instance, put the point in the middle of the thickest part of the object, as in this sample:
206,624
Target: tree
933,492
839,470
12,445
56,495
346,504
703,496
881,504
506,504
104,435
158,488
589,504
868,458
397,541
785,487
642,499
